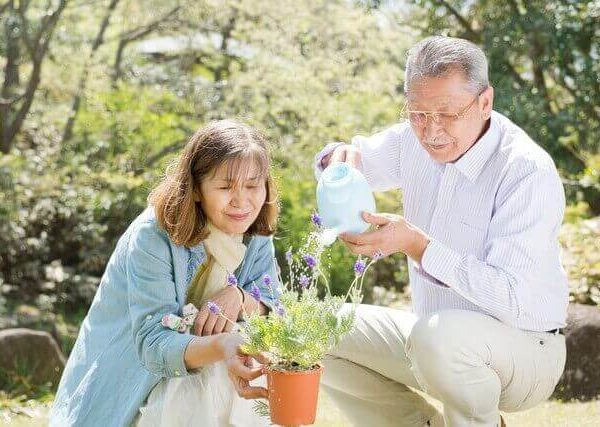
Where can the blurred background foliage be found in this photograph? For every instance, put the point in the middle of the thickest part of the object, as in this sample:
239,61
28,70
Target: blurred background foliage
98,96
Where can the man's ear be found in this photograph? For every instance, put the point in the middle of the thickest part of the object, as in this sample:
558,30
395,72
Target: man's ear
487,102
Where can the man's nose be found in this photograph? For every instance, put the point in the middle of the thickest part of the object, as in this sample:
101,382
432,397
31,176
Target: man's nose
432,128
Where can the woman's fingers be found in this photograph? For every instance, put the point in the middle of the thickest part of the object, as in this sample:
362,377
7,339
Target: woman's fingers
241,375
219,325
200,321
228,326
252,392
209,325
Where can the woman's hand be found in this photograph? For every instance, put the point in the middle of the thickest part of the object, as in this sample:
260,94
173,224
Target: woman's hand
229,301
242,369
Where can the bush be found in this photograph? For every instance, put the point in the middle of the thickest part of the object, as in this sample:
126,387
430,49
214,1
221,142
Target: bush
581,259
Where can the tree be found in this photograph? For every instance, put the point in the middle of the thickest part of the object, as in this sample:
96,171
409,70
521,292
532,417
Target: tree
21,32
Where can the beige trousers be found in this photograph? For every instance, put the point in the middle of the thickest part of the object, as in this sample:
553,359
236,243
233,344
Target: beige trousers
472,363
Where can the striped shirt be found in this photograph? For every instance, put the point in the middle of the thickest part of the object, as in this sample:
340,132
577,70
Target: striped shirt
493,217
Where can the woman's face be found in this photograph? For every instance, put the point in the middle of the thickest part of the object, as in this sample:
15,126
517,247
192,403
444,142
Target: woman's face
233,207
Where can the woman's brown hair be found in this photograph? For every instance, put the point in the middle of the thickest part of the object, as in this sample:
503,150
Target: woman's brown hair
225,141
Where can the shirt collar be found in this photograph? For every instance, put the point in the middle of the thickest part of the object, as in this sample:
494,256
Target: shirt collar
472,162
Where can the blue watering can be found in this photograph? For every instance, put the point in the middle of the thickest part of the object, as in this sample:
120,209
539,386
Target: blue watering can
342,194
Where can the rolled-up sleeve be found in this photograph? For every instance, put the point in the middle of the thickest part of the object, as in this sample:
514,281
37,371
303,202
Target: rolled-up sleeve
151,295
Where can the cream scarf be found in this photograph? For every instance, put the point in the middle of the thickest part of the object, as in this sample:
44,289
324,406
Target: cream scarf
225,253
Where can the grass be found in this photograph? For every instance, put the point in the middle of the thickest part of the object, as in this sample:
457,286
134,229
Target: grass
547,414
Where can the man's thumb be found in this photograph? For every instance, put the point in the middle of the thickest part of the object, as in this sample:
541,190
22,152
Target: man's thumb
375,219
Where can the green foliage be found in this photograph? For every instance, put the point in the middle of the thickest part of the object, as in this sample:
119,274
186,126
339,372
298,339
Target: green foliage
60,227
303,326
300,338
581,259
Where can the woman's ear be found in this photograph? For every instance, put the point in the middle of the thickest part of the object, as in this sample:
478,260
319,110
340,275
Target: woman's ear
197,195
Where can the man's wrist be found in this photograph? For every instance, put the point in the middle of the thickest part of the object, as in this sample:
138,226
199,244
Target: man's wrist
417,245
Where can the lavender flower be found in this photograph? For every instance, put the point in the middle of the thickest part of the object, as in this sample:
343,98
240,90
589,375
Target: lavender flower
231,280
316,219
255,292
310,260
288,256
304,280
279,309
359,267
213,308
378,255
267,280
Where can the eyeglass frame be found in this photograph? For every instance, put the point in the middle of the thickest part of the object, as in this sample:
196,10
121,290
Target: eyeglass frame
455,116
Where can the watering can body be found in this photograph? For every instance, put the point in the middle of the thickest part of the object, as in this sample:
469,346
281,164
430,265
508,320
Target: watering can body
342,195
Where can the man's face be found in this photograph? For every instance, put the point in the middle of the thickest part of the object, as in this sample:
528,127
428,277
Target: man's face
460,119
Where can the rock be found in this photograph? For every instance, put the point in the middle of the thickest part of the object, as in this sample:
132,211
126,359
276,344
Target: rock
33,353
30,317
581,379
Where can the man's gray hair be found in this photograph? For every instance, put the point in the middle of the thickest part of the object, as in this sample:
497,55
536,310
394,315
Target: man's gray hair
439,56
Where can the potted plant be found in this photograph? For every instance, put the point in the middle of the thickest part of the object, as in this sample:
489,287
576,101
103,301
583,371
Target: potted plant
299,331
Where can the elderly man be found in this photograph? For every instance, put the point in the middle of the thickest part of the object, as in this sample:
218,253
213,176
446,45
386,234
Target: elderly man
483,204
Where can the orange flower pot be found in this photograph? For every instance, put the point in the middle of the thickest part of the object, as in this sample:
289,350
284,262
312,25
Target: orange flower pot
293,396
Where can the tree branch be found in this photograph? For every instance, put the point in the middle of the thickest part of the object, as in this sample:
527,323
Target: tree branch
137,34
68,132
473,35
151,160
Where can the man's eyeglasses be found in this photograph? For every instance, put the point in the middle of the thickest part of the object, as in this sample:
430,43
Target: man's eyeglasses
443,118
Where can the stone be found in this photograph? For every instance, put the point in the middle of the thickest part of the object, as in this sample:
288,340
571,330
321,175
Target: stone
32,353
581,378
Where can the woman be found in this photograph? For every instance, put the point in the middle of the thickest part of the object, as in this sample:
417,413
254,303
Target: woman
210,217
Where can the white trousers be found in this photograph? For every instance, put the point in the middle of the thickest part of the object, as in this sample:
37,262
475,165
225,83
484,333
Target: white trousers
474,364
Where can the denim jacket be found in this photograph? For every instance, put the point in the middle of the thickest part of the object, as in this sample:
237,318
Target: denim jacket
122,350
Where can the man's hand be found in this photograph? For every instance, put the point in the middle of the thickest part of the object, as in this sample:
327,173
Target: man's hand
346,153
392,234
241,371
229,301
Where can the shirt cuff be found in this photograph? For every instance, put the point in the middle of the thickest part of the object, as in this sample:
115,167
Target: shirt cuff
441,262
319,156
175,357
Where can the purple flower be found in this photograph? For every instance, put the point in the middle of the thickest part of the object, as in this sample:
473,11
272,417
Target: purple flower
310,260
267,280
378,255
255,292
231,280
279,309
288,256
304,281
359,267
213,308
316,219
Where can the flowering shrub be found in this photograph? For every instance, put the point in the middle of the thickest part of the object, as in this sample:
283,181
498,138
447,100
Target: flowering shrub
302,327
